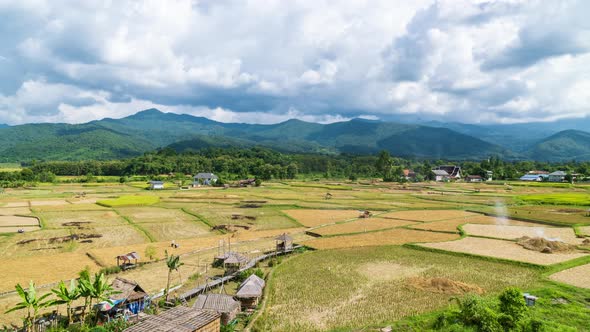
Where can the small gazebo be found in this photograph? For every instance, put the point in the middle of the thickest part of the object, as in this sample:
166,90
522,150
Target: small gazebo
284,243
231,261
127,261
250,291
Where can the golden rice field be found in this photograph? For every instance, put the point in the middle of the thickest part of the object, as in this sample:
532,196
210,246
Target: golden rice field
428,215
514,232
578,276
389,237
452,225
314,218
502,249
361,226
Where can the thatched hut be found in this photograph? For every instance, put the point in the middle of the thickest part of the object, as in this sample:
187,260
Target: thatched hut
179,319
128,261
223,304
284,243
250,291
231,261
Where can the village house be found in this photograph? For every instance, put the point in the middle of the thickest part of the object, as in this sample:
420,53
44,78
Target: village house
206,179
131,297
533,177
222,304
489,175
557,176
409,175
156,185
473,178
447,173
284,243
179,319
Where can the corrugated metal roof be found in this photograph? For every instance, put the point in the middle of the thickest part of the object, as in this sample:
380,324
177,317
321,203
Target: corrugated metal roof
440,172
205,176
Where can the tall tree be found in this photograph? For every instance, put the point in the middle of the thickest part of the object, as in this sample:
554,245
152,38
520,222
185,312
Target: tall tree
31,302
384,164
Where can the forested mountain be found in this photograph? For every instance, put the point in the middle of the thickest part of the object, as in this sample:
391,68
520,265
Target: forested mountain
152,129
565,145
2,125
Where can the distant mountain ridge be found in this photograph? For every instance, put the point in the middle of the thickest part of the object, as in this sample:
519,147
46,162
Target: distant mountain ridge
150,129
563,146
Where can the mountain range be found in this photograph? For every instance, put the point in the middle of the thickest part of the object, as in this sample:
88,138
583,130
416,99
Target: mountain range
152,129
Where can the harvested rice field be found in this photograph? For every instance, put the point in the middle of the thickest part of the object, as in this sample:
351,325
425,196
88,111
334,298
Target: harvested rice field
502,249
453,224
361,226
6,221
578,276
254,218
428,215
14,204
358,287
49,203
14,211
314,218
566,235
388,237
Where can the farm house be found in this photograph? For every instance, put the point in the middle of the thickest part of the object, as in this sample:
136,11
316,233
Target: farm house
179,319
132,296
231,261
205,179
223,304
250,291
156,185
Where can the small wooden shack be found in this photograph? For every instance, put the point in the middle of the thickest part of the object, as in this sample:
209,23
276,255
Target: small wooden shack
284,243
179,319
223,304
231,261
250,291
127,261
131,296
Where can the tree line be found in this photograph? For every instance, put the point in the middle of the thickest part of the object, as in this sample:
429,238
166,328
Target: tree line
267,164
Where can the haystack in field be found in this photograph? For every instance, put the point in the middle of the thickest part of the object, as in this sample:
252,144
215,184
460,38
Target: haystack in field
544,245
443,285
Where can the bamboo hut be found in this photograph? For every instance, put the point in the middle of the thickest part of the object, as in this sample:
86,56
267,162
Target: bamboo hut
179,319
284,243
223,304
250,291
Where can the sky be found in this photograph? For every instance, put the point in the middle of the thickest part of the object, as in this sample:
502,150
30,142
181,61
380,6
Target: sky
321,61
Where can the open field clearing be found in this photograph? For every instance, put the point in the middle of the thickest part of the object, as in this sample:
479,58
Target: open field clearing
361,225
578,276
353,288
35,203
81,219
514,232
388,237
6,221
14,211
15,229
428,215
130,201
48,269
174,230
564,215
255,218
70,207
469,199
502,249
313,218
453,224
14,204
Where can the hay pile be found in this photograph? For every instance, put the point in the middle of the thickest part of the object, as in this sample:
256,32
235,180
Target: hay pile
544,245
443,286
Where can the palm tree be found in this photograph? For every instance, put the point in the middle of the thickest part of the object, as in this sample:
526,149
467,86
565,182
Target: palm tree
30,301
101,290
173,263
66,296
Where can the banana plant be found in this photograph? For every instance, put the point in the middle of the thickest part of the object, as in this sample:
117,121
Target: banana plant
66,295
31,302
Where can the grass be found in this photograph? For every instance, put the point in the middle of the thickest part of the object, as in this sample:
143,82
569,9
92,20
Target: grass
353,288
129,201
558,199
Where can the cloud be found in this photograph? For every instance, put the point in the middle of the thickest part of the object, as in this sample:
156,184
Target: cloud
456,60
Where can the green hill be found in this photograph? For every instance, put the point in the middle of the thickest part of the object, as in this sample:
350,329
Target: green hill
565,145
152,129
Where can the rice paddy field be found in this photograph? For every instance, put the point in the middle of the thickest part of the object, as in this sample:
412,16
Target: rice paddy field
423,243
